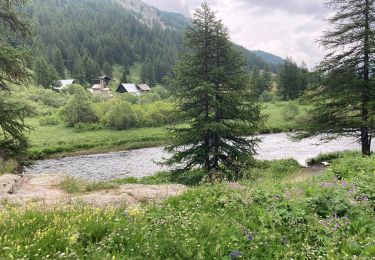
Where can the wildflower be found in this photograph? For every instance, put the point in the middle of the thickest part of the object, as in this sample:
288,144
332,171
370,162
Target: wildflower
234,254
363,198
134,212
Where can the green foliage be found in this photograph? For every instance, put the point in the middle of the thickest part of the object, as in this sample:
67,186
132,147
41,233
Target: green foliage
84,127
79,109
13,141
290,111
291,80
8,167
49,120
329,157
215,102
45,73
121,116
343,97
266,96
264,220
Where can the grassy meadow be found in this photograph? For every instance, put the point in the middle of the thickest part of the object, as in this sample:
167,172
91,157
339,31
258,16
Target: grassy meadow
276,212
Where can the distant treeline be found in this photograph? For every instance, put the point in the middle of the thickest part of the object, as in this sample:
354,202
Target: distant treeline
82,39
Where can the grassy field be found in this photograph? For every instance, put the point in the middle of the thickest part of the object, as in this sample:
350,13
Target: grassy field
276,122
55,140
275,215
47,141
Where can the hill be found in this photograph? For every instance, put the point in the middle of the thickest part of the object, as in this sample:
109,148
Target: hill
82,39
268,57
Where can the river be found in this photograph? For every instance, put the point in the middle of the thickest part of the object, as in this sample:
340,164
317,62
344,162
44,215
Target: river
142,162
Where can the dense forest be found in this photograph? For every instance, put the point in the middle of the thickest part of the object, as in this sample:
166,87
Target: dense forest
83,38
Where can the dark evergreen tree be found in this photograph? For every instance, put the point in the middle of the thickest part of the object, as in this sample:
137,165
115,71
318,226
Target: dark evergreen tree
13,27
264,81
289,86
58,62
344,99
78,71
216,105
107,69
45,73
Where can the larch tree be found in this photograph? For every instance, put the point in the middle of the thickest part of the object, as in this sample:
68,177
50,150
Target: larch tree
13,27
216,104
344,99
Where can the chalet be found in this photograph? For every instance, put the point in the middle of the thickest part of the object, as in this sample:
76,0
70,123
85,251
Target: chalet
63,84
100,87
128,88
143,88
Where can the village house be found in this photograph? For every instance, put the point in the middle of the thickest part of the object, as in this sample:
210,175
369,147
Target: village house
100,87
128,88
63,84
143,87
133,88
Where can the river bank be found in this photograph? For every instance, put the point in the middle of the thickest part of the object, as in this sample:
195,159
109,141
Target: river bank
144,162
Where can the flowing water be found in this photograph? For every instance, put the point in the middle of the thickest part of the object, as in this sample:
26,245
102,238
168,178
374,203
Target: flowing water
142,162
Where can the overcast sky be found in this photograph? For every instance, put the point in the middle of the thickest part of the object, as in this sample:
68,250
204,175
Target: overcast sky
282,27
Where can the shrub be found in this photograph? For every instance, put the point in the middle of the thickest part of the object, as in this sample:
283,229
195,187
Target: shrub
266,96
8,166
290,111
80,109
49,120
121,116
159,113
161,91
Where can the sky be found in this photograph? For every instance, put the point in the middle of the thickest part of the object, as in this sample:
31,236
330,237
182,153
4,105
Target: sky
282,27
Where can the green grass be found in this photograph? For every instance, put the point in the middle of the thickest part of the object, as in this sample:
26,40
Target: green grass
50,140
276,123
328,217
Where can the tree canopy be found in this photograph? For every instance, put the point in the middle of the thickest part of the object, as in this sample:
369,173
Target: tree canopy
344,99
13,27
216,104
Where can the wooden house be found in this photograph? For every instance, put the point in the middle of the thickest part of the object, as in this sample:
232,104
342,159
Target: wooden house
128,88
143,88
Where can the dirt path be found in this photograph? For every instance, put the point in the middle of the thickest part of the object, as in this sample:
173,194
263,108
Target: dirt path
43,189
305,174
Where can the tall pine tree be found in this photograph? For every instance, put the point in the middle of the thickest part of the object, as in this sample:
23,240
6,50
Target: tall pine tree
344,99
13,27
216,104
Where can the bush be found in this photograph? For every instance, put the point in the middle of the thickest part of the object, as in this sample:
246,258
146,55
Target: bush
159,113
266,96
49,120
161,91
290,111
80,109
121,116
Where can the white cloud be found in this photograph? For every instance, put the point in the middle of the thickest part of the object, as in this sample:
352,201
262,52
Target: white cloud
282,27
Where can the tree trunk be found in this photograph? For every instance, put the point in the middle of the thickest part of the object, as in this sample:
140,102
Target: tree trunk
365,136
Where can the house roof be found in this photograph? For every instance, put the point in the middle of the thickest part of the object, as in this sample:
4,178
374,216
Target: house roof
105,77
131,88
144,87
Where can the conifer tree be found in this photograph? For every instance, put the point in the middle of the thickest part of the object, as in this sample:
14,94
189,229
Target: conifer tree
216,105
15,26
344,99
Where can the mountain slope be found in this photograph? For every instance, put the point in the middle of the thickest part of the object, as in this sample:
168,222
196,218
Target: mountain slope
268,57
82,39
